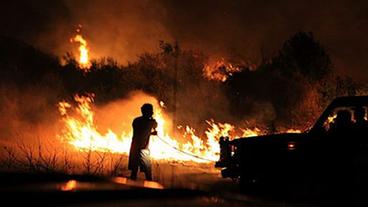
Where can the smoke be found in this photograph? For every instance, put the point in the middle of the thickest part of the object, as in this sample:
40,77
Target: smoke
248,30
118,115
27,116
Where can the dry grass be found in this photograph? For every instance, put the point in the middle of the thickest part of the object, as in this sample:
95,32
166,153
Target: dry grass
43,159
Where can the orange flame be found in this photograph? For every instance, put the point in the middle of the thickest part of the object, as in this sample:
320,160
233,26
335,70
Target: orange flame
293,131
83,60
219,70
251,132
81,132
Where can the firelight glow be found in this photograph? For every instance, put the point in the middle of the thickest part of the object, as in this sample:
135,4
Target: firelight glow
81,132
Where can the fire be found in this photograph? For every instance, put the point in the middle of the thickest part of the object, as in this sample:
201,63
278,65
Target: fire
251,132
219,70
293,131
80,131
215,132
83,60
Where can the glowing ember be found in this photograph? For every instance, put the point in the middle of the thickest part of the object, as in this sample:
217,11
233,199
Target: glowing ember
219,70
83,59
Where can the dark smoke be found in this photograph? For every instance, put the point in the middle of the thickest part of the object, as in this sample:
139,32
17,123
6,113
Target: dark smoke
249,30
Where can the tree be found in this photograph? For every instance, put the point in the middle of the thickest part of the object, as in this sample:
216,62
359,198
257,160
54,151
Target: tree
302,55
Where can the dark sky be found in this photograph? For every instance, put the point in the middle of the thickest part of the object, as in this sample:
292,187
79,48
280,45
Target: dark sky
236,28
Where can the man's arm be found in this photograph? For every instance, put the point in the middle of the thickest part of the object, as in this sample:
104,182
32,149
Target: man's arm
154,126
134,124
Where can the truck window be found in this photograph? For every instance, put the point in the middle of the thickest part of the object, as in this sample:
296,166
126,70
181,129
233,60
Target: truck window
339,118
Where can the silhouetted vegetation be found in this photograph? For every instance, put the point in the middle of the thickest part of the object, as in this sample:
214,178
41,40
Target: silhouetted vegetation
294,85
298,83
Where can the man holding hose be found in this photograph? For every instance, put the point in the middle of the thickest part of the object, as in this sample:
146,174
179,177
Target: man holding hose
143,127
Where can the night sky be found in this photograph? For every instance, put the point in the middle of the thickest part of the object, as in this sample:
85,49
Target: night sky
246,29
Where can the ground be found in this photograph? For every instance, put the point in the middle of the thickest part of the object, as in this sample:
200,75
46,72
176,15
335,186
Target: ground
176,183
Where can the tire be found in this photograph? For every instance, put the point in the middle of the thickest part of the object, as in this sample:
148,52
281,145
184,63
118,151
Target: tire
247,182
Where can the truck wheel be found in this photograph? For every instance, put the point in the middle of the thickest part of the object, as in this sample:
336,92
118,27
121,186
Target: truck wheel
247,182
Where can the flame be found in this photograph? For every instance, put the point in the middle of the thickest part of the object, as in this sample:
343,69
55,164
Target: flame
251,132
83,60
215,132
219,70
80,131
293,131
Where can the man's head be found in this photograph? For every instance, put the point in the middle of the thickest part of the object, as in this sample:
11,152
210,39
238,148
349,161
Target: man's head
359,114
343,116
147,110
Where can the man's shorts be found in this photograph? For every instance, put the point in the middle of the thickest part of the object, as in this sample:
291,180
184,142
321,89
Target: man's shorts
144,160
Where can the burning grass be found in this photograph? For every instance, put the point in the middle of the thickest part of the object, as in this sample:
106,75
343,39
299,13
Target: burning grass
82,132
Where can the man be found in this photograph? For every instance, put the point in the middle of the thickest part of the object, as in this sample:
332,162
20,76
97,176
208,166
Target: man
360,123
342,124
360,126
143,127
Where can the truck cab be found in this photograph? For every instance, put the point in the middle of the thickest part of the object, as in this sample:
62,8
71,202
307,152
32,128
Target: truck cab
335,147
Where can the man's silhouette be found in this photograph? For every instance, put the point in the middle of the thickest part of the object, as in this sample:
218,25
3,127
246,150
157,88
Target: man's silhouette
143,127
359,116
342,123
360,126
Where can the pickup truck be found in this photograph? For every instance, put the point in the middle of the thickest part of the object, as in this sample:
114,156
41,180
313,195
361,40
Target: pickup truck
334,149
